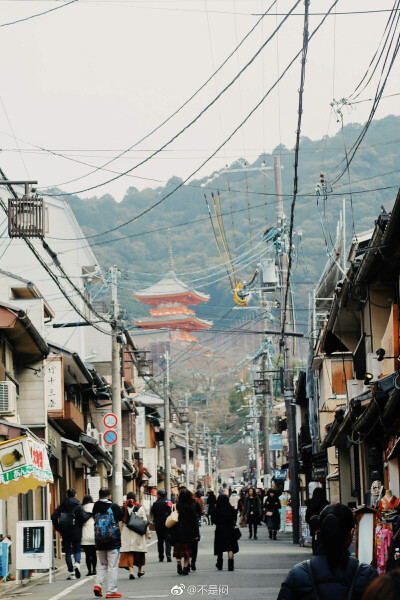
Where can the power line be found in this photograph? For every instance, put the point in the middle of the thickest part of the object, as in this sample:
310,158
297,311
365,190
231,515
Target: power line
193,121
38,14
212,76
254,109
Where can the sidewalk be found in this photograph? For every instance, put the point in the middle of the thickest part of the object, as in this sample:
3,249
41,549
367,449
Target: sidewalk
9,589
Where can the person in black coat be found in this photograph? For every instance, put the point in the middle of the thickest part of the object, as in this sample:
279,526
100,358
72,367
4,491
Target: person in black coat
225,539
185,532
253,512
272,506
331,568
160,511
210,501
315,506
68,519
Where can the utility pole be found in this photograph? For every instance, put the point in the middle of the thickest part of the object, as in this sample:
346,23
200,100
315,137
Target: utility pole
267,395
216,463
187,456
256,440
117,486
196,415
167,458
286,347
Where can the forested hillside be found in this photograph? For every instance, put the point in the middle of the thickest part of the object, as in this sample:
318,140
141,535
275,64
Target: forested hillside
143,246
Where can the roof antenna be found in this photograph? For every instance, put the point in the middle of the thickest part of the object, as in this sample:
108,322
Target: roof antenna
170,253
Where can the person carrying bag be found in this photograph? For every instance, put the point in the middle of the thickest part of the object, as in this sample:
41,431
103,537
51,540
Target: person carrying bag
136,523
133,536
173,518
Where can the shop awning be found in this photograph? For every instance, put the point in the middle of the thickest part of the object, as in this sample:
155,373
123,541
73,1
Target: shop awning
24,466
78,453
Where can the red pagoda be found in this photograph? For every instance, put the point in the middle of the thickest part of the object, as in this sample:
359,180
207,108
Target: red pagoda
171,298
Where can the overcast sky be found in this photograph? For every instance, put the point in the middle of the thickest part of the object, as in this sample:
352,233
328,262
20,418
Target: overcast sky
92,78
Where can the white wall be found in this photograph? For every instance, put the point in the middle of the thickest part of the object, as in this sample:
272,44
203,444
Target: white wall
394,477
18,259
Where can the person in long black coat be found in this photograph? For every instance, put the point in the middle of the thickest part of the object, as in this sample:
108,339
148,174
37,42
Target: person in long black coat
315,506
211,501
225,539
185,532
272,506
253,512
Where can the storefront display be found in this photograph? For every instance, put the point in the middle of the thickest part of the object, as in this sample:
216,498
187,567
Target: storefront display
388,504
375,495
383,539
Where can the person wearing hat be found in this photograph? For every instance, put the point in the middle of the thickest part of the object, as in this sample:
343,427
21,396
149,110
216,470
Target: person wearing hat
160,511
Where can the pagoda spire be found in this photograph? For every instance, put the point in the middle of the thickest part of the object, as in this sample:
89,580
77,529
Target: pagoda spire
170,253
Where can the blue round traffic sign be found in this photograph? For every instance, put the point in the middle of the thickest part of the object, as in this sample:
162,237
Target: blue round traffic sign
110,437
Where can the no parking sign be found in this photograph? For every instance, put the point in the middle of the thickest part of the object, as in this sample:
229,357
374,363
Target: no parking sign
110,437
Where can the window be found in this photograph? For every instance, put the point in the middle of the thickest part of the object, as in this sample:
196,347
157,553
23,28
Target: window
342,371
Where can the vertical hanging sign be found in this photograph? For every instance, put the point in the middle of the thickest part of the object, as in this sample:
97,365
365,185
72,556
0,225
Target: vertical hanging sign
140,426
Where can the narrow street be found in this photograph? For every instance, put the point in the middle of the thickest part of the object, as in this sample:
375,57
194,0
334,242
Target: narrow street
260,567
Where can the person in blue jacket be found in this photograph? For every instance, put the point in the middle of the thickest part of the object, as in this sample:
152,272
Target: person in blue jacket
331,574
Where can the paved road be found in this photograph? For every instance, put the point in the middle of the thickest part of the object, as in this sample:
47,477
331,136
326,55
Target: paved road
260,567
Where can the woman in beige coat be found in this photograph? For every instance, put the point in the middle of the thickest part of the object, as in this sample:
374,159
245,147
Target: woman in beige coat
133,545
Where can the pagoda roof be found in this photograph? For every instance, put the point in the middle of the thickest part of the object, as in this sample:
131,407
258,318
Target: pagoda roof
173,289
181,321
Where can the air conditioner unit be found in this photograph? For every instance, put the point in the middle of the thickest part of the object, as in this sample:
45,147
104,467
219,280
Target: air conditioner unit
8,398
173,462
373,366
355,387
95,434
127,453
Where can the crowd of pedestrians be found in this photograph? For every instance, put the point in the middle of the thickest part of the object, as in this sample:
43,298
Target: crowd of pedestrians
114,537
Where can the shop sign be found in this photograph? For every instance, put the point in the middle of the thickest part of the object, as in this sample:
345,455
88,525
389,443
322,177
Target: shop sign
150,464
275,441
53,383
288,520
140,427
319,472
279,474
34,547
24,466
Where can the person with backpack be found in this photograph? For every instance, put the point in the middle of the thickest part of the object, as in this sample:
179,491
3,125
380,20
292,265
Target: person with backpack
107,536
331,574
133,543
68,520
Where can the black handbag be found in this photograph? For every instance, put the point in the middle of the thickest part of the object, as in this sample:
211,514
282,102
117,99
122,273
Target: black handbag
238,533
136,523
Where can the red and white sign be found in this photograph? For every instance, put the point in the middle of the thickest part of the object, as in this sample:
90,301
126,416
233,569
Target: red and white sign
110,420
110,437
